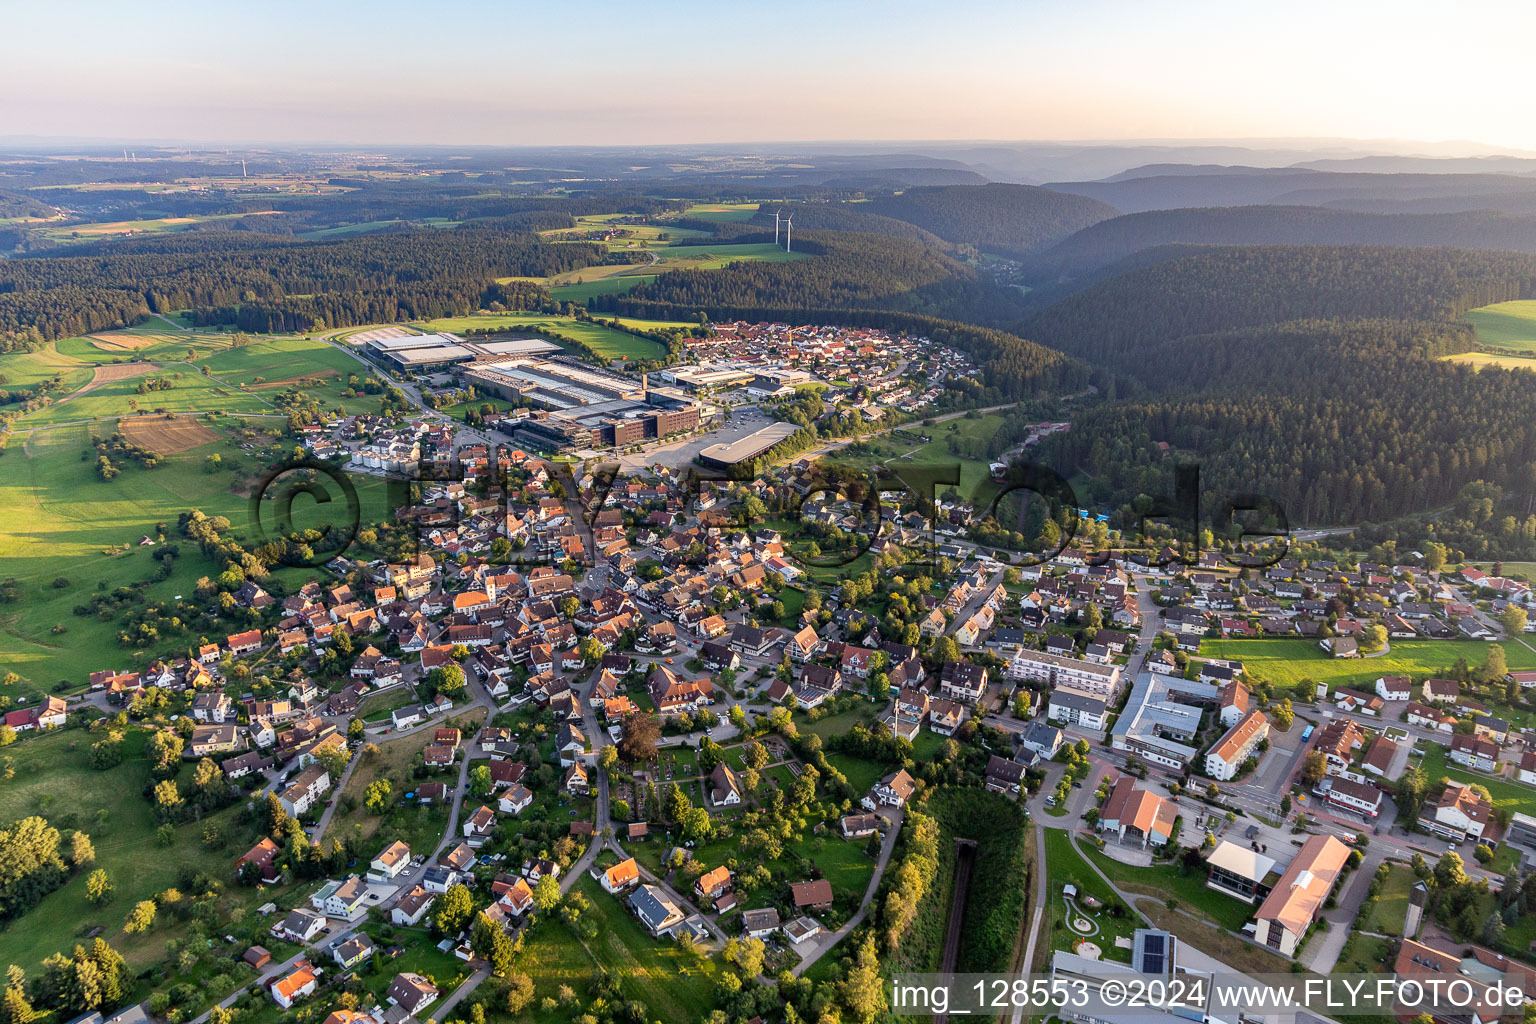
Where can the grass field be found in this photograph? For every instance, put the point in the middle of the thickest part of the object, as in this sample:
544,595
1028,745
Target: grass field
95,231
1391,909
552,957
1164,882
584,290
899,447
1286,661
606,342
420,827
64,522
1067,867
1506,324
1480,359
672,985
54,779
1510,796
721,211
239,380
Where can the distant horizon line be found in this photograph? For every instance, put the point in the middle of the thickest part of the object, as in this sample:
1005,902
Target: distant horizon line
1449,149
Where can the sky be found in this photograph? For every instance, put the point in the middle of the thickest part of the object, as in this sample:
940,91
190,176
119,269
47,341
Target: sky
462,72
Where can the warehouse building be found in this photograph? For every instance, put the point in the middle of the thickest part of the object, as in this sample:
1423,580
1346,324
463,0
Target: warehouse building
745,449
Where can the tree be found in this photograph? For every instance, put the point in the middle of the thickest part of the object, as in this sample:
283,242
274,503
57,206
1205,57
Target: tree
519,992
1283,714
696,825
1434,556
1411,788
1450,870
861,989
1374,638
1495,667
14,1007
1021,703
81,852
641,731
546,894
447,680
98,887
756,755
167,800
376,798
1513,618
140,918
1314,767
164,753
454,910
480,782
608,757
747,954
491,943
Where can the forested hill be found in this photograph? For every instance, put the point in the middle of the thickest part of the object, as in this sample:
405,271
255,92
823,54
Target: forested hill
15,204
850,271
1111,240
1246,186
843,217
1013,219
278,285
1115,322
1309,374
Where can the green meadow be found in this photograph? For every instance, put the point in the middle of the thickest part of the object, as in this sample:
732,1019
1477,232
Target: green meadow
1506,324
66,524
1287,661
54,779
605,341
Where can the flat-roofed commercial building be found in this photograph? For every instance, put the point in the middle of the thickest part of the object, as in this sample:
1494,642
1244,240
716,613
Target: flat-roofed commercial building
708,378
1240,871
506,348
423,358
745,449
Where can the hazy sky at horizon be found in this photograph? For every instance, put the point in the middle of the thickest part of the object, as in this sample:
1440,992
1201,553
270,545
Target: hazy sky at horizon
513,73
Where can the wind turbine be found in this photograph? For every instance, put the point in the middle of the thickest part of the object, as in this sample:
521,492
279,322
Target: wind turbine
775,228
789,231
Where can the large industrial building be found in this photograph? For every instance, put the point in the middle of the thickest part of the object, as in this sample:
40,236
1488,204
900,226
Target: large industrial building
434,351
724,456
698,379
587,407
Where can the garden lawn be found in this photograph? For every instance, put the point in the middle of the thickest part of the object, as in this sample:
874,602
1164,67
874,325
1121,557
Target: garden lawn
54,779
861,774
1164,881
673,985
1510,796
1391,909
1065,866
